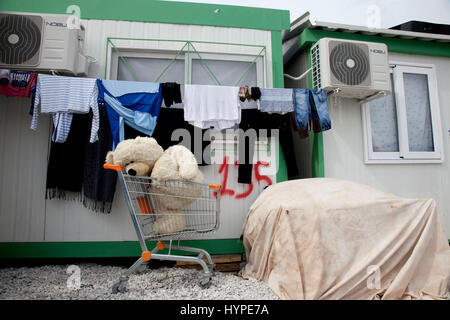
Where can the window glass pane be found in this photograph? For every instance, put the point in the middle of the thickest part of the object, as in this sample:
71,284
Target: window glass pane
148,69
418,113
227,72
383,120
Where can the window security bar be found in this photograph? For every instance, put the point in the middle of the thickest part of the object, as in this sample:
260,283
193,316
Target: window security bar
190,46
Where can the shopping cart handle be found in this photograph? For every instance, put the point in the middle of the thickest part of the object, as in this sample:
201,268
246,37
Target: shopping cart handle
116,167
214,186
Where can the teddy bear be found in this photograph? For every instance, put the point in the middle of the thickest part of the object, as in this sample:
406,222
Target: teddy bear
136,156
176,163
142,155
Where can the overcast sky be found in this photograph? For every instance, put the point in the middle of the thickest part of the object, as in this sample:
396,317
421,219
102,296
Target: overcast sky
355,12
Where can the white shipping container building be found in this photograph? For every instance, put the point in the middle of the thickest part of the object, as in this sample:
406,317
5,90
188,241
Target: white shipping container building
30,225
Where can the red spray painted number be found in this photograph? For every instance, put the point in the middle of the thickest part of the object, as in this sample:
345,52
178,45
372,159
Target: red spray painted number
259,177
224,169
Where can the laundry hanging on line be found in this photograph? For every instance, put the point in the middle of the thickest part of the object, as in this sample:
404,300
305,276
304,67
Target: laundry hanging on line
17,83
201,109
211,106
61,97
276,100
311,111
135,103
255,119
171,93
171,120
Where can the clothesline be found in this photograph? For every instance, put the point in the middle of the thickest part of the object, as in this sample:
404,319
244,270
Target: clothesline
138,104
87,109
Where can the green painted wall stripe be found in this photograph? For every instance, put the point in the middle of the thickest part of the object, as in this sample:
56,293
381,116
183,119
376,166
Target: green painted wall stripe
427,48
278,82
104,249
315,139
161,11
318,165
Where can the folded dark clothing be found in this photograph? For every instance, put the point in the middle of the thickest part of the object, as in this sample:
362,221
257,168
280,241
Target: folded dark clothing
171,93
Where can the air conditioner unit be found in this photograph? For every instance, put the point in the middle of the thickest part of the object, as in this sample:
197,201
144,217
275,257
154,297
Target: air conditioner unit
355,69
41,42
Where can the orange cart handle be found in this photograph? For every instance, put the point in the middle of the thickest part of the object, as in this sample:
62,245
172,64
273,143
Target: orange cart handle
214,186
116,167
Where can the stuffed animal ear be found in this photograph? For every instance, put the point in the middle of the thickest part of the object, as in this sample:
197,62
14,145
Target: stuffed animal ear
110,157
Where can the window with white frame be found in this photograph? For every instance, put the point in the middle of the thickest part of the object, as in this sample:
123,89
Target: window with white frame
405,127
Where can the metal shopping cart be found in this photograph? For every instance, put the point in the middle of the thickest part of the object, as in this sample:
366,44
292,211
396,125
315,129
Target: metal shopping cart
147,200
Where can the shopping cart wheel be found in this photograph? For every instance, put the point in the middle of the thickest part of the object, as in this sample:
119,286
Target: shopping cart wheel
142,268
119,287
204,282
212,267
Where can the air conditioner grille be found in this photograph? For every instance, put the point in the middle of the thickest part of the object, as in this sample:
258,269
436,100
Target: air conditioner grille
315,57
20,39
349,63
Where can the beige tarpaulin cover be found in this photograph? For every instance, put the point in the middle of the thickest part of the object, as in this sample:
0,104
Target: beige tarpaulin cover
335,239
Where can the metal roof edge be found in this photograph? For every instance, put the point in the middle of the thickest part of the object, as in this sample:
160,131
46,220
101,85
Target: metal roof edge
380,32
161,12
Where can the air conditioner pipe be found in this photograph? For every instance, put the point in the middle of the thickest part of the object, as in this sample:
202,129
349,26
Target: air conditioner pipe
300,76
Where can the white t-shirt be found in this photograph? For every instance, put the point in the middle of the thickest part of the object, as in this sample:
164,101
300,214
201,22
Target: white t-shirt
211,106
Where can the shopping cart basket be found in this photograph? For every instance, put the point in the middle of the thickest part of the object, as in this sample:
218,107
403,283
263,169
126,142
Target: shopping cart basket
148,200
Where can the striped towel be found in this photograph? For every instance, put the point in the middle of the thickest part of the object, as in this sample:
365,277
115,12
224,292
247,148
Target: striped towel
276,100
62,96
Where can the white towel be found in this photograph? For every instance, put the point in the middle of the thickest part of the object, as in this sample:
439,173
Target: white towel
211,106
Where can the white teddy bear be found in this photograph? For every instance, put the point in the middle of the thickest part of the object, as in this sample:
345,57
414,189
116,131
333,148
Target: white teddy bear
136,156
141,155
176,163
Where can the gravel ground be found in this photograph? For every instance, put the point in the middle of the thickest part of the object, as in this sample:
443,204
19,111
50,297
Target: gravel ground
51,282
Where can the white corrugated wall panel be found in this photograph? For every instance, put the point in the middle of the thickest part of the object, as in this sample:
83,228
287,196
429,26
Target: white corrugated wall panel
23,163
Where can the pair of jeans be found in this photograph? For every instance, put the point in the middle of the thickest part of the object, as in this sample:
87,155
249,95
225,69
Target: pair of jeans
311,105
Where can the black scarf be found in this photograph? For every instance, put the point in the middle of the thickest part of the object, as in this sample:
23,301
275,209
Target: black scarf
66,161
99,184
75,168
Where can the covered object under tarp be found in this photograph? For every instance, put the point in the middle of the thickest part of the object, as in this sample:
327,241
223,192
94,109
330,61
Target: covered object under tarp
334,239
